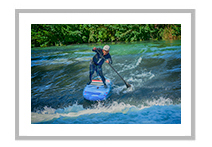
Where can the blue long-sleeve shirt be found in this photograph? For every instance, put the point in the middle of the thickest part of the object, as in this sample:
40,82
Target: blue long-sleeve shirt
97,58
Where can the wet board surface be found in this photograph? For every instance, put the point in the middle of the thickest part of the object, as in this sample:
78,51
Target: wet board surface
96,90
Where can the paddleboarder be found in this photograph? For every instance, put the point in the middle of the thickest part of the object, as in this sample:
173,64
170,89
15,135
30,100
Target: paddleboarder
97,62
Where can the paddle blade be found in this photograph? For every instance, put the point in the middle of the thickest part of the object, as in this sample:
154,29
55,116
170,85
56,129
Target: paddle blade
128,85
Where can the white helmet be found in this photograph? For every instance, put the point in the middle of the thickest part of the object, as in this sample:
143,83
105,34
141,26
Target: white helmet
106,48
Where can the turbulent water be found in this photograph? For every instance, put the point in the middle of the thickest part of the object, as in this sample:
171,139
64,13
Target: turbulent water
153,69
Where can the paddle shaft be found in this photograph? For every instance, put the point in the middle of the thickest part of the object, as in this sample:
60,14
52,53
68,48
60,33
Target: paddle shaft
127,84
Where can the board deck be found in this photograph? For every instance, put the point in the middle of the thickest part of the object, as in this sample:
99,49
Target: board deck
96,90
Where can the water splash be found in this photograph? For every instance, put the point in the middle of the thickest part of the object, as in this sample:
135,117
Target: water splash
123,89
135,80
76,110
130,66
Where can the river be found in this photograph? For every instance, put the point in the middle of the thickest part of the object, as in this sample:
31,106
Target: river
153,68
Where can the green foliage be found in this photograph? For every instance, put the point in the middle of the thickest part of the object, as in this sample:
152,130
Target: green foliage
43,35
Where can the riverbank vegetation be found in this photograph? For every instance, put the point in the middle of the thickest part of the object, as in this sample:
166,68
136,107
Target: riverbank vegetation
43,35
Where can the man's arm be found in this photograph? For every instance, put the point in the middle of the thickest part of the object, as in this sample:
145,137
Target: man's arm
94,49
109,60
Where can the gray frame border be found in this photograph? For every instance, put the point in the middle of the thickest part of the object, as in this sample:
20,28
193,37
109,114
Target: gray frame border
18,11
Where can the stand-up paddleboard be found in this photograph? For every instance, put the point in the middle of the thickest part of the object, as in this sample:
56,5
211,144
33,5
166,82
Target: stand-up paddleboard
96,90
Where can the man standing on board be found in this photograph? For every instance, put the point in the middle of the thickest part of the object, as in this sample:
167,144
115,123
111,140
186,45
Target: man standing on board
97,61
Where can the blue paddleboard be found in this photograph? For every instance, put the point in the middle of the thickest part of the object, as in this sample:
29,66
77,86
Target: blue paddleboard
96,90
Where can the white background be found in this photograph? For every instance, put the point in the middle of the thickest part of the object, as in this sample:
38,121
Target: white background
203,65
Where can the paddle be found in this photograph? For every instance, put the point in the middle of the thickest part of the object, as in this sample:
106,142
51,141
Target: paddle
127,84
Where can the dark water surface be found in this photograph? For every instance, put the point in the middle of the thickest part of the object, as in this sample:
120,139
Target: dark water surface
59,75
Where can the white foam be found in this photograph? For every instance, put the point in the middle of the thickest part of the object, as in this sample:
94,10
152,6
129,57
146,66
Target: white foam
130,66
158,102
136,81
123,89
76,110
119,89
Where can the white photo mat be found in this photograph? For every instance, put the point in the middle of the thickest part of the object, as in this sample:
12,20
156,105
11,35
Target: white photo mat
26,130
